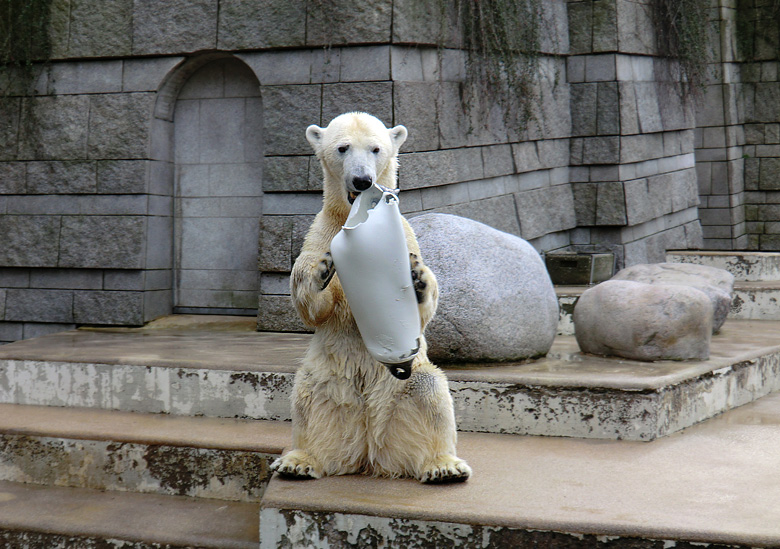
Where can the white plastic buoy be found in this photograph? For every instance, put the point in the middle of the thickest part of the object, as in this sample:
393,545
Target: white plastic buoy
372,260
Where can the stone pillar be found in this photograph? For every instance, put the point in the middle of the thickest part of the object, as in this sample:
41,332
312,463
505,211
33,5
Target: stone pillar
632,137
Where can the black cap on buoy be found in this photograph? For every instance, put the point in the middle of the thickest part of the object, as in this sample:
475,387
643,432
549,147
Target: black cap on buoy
402,370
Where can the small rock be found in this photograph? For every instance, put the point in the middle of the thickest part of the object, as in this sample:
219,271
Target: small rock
643,321
718,284
496,300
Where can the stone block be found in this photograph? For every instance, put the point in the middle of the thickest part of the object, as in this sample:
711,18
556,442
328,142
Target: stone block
585,196
299,66
74,177
629,116
9,130
601,150
414,105
497,160
575,68
636,28
14,278
11,331
263,24
365,64
286,173
637,148
605,31
227,242
275,253
108,242
276,313
291,203
86,77
580,27
420,22
122,176
526,156
375,98
348,22
676,113
140,75
119,125
29,241
584,99
54,127
59,27
610,204
100,29
444,195
544,211
498,212
553,153
767,96
300,228
66,279
34,305
125,280
288,111
600,68
685,190
117,308
608,111
427,169
648,109
12,177
174,27
769,174
159,242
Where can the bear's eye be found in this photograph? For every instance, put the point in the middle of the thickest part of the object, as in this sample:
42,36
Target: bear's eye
376,150
343,149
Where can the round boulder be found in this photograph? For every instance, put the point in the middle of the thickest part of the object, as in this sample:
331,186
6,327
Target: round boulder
718,284
644,321
496,300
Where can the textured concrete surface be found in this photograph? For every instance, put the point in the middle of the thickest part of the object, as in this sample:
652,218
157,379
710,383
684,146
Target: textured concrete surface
152,453
249,375
89,518
716,482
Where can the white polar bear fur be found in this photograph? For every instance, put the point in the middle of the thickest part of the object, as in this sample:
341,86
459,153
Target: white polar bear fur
350,415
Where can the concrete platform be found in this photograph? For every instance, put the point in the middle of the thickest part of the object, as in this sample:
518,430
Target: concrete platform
203,457
243,374
715,483
63,518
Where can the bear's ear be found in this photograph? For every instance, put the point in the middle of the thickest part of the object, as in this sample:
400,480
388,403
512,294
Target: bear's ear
398,135
314,135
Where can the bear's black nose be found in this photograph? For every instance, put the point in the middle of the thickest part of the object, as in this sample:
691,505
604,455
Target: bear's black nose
361,183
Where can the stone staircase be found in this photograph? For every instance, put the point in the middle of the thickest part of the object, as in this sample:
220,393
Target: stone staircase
162,437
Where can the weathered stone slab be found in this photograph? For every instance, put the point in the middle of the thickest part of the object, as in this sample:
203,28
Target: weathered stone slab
644,321
119,125
348,22
544,211
12,177
717,284
74,177
29,241
264,24
122,176
174,27
32,305
100,29
113,308
480,319
54,127
96,241
287,112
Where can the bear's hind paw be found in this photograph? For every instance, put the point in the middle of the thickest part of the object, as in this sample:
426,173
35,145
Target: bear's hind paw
292,467
448,469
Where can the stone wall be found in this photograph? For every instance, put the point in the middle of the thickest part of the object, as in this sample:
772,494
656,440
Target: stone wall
98,193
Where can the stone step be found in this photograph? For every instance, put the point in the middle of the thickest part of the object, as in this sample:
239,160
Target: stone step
563,394
125,451
64,518
716,483
753,300
745,266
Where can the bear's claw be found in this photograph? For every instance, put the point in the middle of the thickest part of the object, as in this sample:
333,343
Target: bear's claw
293,469
454,470
325,270
418,277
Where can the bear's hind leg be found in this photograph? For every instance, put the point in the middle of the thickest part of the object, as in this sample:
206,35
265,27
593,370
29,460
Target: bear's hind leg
419,436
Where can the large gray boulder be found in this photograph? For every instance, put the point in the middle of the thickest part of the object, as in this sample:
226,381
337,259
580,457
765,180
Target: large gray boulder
496,300
643,321
718,284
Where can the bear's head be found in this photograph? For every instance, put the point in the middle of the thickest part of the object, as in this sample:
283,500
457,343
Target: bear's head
356,150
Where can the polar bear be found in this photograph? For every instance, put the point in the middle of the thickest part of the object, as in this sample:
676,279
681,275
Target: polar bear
350,415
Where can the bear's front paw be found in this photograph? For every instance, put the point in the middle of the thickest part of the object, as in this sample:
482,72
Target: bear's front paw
446,469
295,465
418,277
325,270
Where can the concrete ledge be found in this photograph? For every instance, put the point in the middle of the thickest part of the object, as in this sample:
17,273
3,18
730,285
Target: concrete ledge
564,394
151,453
714,483
37,516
